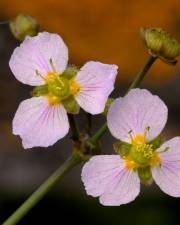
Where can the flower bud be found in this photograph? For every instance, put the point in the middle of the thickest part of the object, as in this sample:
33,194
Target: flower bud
23,25
161,44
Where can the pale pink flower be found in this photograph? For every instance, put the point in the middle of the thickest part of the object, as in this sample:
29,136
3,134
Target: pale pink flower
137,119
41,121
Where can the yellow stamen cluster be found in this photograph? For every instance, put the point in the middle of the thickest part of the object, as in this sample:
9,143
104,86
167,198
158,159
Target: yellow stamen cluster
59,88
145,149
141,153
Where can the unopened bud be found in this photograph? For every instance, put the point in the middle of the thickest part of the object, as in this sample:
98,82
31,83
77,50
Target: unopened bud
161,44
23,25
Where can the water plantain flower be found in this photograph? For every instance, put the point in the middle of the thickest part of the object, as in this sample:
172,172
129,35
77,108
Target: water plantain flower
136,120
42,61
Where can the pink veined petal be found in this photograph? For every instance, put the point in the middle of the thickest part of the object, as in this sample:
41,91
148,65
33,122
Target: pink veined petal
105,176
167,176
97,82
40,124
134,113
34,54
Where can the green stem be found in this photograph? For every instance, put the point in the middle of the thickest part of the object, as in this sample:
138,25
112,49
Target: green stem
98,134
74,127
140,76
43,190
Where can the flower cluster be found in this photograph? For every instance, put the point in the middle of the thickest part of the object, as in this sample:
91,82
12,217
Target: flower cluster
42,61
136,119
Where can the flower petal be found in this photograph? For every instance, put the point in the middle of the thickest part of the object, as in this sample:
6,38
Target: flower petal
167,176
97,82
40,124
35,54
135,112
106,176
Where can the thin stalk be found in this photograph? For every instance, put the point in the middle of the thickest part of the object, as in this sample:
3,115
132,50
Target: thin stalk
140,76
43,190
98,134
74,127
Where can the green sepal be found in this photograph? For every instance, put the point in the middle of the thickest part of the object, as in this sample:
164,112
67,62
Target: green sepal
145,174
122,148
40,91
156,143
70,72
71,105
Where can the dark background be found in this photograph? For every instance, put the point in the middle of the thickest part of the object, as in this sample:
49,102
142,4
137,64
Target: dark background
107,31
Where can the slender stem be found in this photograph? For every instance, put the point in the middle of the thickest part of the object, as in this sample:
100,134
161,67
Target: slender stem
43,190
74,127
140,76
98,134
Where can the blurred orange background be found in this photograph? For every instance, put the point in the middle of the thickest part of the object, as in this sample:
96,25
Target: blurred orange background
105,30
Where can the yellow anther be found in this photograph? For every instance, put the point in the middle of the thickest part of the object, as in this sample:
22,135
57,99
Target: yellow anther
138,139
155,160
74,87
50,76
130,164
53,100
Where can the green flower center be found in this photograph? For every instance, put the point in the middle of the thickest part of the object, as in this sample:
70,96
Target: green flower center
140,155
58,87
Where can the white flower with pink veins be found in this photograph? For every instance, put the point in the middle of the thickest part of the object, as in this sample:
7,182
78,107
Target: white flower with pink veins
42,61
136,120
